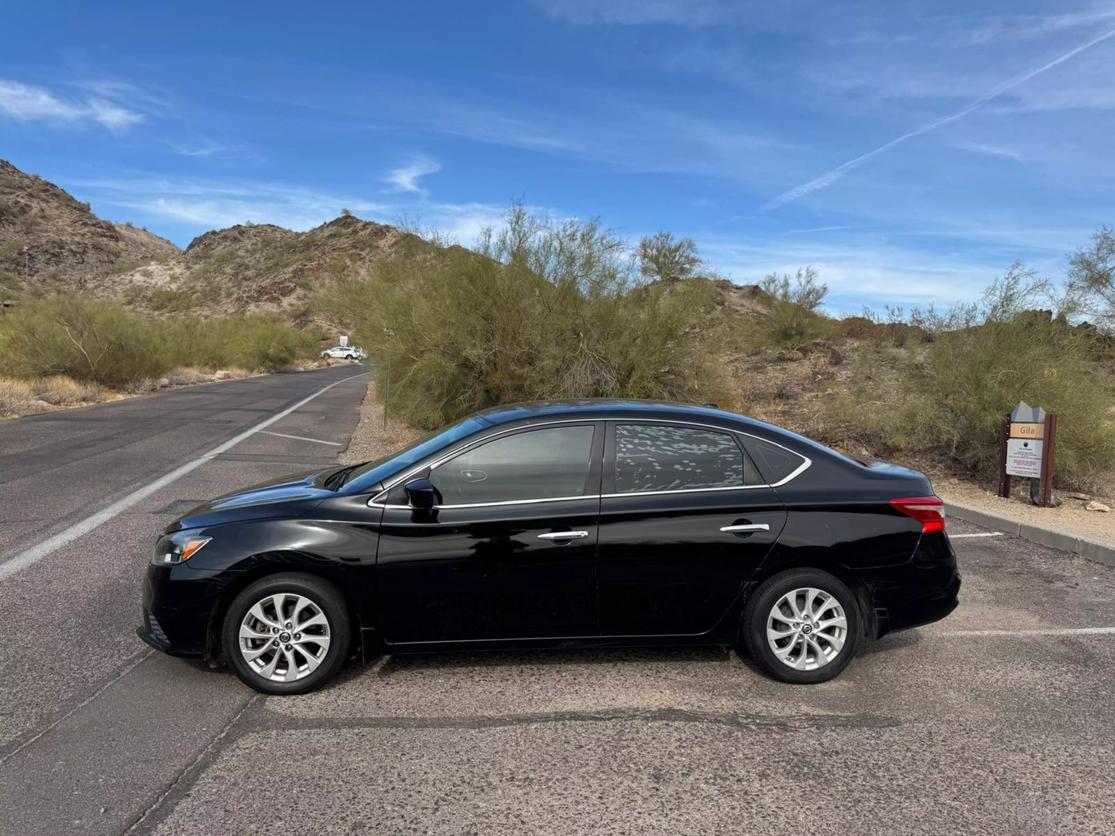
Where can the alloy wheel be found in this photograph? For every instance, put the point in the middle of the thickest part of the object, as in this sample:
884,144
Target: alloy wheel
284,637
807,628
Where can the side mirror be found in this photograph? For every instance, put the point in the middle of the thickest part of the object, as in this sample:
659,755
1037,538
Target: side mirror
421,494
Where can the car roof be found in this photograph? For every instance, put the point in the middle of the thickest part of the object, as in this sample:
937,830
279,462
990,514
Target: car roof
612,408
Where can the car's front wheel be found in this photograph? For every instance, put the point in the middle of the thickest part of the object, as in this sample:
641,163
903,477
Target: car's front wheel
802,626
287,633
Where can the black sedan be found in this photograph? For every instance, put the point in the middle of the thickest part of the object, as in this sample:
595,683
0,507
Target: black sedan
556,524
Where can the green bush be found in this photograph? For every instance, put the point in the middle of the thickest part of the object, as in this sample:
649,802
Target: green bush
949,397
89,340
793,320
103,342
543,310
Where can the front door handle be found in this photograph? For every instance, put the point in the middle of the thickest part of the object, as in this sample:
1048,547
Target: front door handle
564,535
744,528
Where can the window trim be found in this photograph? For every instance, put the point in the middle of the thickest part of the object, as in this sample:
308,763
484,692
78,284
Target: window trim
441,459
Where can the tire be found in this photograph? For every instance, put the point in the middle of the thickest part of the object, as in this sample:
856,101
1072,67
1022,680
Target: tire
828,648
318,650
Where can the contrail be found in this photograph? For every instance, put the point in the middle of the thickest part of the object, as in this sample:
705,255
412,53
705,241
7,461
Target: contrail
831,177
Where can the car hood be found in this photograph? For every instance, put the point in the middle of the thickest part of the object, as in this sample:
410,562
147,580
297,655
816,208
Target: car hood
286,497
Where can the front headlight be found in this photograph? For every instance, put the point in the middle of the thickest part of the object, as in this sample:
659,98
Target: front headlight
177,547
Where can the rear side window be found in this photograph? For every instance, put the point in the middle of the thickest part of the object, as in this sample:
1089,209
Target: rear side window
776,463
663,457
537,464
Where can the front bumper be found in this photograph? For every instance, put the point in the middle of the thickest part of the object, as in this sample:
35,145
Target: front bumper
177,605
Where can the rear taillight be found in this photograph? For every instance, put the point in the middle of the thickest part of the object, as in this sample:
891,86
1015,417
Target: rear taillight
928,510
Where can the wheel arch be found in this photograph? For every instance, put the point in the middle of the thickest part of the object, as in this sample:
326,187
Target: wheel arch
850,578
262,565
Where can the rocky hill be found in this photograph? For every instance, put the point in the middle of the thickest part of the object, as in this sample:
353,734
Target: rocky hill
255,267
49,241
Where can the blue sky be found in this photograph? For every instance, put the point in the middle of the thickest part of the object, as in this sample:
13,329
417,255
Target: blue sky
910,151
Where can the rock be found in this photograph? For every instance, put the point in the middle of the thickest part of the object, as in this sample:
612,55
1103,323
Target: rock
1097,506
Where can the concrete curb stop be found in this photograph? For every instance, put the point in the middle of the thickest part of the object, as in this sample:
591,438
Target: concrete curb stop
1080,546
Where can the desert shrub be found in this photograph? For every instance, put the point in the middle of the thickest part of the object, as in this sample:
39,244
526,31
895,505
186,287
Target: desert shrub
258,342
541,310
166,300
86,339
794,317
983,360
104,343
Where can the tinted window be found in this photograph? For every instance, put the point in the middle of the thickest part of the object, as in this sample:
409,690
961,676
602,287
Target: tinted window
775,462
658,457
370,474
537,464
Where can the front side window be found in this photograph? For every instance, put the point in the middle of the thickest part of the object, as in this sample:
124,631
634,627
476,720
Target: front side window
661,457
537,464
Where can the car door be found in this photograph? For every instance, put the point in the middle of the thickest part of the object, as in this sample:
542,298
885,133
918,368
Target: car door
685,520
508,551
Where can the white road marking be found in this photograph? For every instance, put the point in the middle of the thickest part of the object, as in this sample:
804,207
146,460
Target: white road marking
79,529
980,534
1065,631
301,438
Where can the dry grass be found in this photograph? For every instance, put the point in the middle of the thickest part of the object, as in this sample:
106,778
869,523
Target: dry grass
59,390
16,398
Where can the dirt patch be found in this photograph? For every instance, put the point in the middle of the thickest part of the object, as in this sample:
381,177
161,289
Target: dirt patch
1071,518
372,439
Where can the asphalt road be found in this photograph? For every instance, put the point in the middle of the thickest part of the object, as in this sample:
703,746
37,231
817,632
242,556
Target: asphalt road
1000,718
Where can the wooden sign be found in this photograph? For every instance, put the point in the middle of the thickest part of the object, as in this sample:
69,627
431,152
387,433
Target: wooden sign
1020,430
1027,440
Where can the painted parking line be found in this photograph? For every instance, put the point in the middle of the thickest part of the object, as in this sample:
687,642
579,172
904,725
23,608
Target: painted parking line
1053,631
302,438
979,534
79,529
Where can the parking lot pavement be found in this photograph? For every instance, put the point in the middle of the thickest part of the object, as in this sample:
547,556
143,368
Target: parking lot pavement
1001,717
961,726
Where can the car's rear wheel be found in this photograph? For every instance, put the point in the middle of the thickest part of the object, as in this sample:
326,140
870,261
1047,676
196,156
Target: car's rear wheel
802,626
287,633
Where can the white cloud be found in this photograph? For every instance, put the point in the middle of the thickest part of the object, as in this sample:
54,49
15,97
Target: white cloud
26,103
989,150
831,176
212,204
405,178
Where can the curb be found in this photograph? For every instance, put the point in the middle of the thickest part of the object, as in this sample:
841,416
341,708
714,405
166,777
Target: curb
1080,546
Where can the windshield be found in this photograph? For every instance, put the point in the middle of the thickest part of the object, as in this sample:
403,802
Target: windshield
368,475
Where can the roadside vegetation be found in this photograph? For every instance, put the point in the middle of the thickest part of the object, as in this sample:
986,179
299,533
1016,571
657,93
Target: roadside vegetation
542,309
57,350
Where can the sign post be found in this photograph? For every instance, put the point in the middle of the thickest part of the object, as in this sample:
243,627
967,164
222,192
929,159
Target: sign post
1027,438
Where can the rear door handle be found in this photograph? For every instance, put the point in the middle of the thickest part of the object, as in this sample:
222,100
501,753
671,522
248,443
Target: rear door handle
564,535
744,528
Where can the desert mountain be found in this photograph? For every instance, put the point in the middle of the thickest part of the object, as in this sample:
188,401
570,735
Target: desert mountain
255,267
49,241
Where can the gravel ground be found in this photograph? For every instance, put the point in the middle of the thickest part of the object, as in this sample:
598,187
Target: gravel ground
1070,518
373,440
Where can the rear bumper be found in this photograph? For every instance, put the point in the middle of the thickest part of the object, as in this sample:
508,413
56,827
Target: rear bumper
920,592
